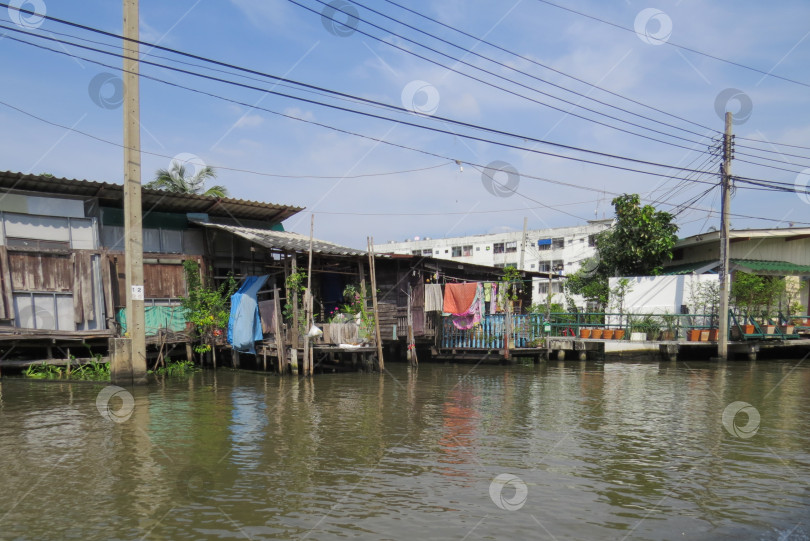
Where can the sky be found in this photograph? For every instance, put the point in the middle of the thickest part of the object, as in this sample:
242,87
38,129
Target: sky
375,177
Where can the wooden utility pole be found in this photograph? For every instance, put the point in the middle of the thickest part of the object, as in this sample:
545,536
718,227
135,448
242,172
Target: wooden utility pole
725,282
308,364
373,272
523,243
128,360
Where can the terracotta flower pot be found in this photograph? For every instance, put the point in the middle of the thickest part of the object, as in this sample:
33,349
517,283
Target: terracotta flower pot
585,333
748,329
597,333
619,334
608,334
694,335
714,334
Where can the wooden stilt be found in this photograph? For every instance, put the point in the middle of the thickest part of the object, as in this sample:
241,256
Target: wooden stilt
278,331
373,272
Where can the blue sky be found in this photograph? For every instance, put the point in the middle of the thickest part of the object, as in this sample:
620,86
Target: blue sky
281,38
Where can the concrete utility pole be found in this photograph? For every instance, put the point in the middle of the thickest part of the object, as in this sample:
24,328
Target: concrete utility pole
128,358
725,188
523,243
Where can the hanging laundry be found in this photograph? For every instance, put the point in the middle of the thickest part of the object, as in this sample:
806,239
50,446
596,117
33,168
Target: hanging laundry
433,298
487,291
458,298
472,316
493,305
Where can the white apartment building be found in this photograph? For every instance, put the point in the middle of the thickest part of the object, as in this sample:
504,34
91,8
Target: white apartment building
558,250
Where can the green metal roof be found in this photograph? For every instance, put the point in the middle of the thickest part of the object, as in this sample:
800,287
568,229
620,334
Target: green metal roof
753,265
776,267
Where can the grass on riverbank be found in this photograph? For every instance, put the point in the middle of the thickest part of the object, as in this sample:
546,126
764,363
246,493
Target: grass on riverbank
95,370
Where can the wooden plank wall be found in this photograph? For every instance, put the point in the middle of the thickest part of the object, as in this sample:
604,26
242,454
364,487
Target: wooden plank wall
41,272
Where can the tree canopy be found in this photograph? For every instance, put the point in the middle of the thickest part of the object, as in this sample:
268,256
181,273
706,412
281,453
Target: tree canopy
638,244
174,179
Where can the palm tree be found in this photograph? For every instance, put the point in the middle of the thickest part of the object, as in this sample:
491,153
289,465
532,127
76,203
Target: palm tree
175,180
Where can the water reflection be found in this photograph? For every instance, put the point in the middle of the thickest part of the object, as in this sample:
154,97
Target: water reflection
605,450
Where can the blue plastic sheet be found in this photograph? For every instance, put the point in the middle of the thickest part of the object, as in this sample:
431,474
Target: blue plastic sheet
244,325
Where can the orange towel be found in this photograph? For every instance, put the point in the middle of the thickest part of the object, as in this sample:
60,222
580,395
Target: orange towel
459,297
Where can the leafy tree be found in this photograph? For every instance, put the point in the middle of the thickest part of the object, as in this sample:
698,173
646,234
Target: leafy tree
206,308
639,243
174,179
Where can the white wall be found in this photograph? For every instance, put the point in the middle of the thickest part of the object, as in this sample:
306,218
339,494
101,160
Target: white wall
660,294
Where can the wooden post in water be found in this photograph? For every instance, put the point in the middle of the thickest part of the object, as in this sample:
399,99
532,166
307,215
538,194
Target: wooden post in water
277,330
294,330
308,304
373,272
411,354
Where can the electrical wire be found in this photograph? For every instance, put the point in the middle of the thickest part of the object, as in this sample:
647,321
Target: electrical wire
685,48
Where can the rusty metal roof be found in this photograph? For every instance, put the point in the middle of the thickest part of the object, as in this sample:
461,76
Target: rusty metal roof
112,195
285,240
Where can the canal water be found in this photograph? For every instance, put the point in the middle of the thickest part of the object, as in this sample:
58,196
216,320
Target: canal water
551,451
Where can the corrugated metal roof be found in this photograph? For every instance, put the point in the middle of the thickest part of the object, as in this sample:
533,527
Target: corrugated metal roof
157,200
285,240
754,266
773,267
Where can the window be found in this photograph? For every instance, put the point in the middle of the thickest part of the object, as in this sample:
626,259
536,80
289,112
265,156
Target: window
558,243
544,266
557,265
542,287
445,251
456,251
416,252
466,251
677,254
427,251
544,244
498,248
511,247
591,240
582,240
531,266
477,248
498,265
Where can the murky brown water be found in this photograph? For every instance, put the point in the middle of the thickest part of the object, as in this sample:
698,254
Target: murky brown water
558,451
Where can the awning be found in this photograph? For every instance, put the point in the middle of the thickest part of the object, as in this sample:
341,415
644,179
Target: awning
544,242
285,240
752,266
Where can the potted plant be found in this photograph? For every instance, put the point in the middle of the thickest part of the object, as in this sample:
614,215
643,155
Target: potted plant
694,335
584,332
704,335
619,334
597,333
607,334
670,321
714,335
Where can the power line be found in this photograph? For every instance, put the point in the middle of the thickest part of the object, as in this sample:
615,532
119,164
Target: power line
501,64
545,66
533,177
363,113
685,48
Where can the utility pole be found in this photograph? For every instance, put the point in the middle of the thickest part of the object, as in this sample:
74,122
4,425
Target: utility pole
523,242
128,359
725,189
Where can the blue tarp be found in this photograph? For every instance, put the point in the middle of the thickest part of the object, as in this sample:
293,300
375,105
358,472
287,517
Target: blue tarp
244,325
